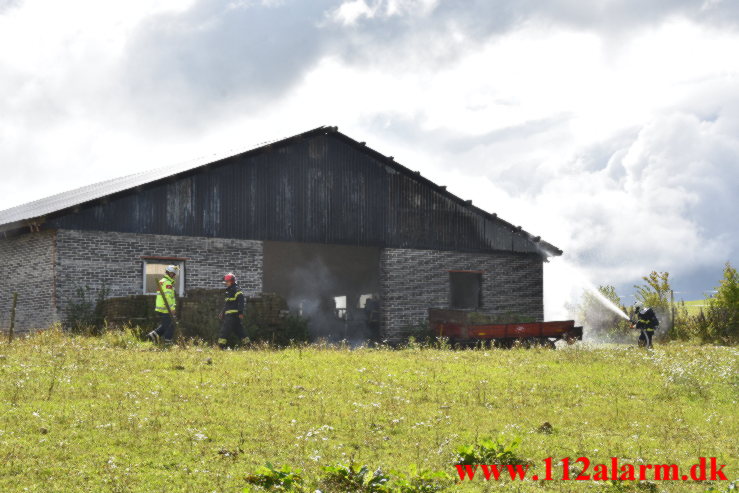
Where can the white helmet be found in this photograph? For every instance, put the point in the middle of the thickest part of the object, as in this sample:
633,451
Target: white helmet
172,269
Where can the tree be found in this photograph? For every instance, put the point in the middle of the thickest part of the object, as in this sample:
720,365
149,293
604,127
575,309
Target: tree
719,322
656,292
724,306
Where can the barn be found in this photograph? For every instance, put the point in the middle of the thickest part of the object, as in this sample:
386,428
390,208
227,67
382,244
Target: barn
333,226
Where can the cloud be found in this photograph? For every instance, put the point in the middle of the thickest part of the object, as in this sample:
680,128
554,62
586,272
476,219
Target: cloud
662,202
222,57
607,127
8,4
659,195
426,31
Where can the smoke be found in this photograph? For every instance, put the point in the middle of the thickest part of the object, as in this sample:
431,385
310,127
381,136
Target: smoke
312,291
581,300
605,301
326,284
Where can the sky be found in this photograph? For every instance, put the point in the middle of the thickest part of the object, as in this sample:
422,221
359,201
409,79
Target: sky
608,127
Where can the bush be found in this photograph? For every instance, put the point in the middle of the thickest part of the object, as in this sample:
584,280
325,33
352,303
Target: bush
420,481
420,332
85,311
354,478
271,478
489,451
289,330
719,322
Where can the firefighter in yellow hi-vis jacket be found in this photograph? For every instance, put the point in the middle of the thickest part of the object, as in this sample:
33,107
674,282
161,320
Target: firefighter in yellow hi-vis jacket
233,312
166,324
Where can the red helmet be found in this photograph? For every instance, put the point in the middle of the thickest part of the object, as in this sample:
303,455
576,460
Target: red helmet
229,277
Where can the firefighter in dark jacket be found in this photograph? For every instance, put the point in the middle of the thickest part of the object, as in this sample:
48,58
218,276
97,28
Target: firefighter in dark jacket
233,312
647,322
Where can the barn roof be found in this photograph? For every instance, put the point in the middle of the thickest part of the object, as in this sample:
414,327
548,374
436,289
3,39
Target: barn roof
32,213
79,196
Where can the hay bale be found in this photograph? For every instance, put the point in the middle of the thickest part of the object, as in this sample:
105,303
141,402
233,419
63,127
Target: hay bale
199,313
266,317
135,310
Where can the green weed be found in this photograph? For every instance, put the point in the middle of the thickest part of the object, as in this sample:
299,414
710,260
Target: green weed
273,478
354,478
490,451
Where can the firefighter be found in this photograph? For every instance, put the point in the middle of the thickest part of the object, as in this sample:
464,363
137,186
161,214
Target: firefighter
166,324
233,312
647,322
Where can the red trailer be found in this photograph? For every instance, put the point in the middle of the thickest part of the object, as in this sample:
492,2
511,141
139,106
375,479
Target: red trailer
457,326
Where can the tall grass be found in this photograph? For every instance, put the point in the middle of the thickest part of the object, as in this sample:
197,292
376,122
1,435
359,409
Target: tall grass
116,414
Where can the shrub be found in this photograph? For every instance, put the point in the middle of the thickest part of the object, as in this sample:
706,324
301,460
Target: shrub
289,330
725,307
423,481
490,451
420,332
271,478
85,311
355,478
719,322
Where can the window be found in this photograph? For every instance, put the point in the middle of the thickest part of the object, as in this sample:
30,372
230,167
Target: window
465,289
363,299
340,303
154,270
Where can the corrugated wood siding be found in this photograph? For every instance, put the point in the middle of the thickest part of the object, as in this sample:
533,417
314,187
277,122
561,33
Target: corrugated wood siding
320,189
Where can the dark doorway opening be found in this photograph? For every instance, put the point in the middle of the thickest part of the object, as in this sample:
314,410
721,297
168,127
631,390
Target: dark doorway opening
334,286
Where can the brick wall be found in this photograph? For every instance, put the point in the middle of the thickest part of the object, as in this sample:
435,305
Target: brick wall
412,281
27,267
94,258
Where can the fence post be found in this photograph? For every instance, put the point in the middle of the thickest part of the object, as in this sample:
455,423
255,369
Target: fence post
672,311
12,318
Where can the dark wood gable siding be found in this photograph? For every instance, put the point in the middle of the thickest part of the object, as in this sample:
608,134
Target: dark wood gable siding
323,188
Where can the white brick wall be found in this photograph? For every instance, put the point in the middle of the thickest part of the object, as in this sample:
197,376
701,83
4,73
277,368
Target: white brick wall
46,268
413,281
27,267
94,258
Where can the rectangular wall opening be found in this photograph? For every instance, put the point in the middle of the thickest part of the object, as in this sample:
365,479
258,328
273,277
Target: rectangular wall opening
465,290
154,268
330,285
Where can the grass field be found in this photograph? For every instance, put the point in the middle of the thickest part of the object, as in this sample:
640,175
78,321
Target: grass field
114,414
694,307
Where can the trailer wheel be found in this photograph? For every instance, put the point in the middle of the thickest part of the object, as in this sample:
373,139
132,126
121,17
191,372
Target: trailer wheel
504,343
528,342
542,342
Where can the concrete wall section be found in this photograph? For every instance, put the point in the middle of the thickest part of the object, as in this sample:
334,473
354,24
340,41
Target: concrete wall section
412,281
27,267
97,258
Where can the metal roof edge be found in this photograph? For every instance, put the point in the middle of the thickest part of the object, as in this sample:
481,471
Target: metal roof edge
544,248
73,198
22,214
